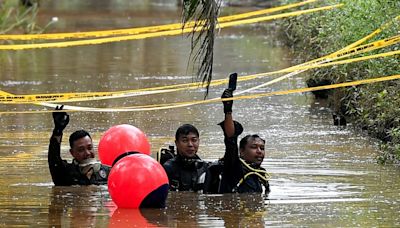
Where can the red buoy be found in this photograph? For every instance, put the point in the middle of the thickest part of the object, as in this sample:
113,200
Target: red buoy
122,139
138,180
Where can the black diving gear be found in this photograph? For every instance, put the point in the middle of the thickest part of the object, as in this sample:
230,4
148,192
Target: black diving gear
185,174
66,174
237,175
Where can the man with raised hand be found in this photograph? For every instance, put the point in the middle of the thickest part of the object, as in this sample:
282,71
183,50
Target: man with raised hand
84,169
242,171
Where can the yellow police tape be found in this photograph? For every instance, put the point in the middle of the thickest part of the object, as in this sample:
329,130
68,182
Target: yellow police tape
74,97
218,82
158,34
324,62
243,97
374,33
148,29
329,57
181,105
343,53
356,44
268,83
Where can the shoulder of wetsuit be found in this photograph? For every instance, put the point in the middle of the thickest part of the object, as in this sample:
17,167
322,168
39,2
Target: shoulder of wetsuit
170,165
238,127
190,163
202,165
253,183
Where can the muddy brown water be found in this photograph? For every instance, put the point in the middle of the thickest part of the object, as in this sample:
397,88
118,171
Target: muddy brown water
321,175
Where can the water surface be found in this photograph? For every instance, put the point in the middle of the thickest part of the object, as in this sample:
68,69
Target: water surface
321,174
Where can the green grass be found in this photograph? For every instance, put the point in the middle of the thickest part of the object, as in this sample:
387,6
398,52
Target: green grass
374,108
17,19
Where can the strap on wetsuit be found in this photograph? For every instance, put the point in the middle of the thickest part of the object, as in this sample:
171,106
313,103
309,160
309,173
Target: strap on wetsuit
262,174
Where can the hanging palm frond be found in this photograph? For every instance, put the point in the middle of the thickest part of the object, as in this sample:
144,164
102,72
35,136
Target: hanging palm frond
204,13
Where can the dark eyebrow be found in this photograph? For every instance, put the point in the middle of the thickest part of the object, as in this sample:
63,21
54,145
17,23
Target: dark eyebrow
254,143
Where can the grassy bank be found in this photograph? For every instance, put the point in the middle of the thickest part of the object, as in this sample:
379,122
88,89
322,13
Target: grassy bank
17,18
374,108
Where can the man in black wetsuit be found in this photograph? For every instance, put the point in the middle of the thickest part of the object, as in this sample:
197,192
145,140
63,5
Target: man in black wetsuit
84,169
186,171
242,171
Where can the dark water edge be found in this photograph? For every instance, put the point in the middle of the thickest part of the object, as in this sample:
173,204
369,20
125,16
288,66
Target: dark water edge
368,107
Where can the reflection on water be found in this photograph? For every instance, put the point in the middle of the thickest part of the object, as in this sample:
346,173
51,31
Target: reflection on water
78,206
321,174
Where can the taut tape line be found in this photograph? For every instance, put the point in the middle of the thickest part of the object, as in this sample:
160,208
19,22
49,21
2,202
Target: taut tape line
73,97
147,29
371,35
157,34
243,97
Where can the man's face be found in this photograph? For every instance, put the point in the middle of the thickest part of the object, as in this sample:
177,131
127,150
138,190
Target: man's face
82,149
254,151
187,145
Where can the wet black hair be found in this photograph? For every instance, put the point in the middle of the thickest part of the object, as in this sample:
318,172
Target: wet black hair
185,130
77,135
245,140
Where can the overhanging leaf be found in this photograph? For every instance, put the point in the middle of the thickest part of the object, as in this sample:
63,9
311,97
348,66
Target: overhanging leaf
204,13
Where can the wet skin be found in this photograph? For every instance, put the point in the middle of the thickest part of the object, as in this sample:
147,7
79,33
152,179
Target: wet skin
254,151
82,149
187,145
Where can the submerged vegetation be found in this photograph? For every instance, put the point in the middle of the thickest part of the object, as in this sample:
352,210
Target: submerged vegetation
374,108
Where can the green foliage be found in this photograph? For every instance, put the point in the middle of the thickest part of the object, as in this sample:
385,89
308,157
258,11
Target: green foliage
374,107
205,15
15,18
189,9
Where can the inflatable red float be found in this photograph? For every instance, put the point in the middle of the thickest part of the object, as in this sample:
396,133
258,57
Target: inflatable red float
119,140
138,180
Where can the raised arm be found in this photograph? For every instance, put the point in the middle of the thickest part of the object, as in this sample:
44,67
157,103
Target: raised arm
232,171
229,127
56,164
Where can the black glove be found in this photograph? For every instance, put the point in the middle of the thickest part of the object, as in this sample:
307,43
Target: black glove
61,120
227,104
